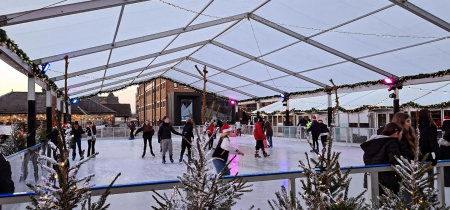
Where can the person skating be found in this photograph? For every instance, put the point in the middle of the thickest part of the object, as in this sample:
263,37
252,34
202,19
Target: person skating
165,136
186,140
269,132
315,130
408,142
148,132
383,149
428,142
223,149
323,134
91,137
259,137
238,128
76,135
132,128
210,133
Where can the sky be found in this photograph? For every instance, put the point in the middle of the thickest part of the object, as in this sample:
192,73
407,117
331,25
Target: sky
11,79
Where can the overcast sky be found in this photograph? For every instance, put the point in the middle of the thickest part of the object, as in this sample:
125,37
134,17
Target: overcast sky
11,79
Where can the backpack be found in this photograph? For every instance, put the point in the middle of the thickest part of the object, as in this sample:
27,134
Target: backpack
6,183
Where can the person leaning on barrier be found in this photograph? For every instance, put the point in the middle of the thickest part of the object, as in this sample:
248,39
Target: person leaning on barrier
383,149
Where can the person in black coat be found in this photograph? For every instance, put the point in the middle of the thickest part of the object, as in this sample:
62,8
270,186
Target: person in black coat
6,182
323,133
76,133
444,151
315,130
186,140
428,136
408,145
382,149
165,136
446,125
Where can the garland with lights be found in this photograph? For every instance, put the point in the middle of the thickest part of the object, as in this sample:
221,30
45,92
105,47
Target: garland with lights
362,108
151,80
6,41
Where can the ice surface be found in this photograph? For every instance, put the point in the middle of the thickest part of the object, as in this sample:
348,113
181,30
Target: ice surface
121,155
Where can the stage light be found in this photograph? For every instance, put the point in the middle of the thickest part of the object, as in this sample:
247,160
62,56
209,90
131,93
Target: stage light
45,67
282,95
388,81
74,101
233,102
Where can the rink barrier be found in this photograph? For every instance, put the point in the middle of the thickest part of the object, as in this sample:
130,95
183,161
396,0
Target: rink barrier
291,176
25,150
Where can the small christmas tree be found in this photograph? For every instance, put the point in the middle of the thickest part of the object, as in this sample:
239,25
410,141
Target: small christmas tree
325,186
205,189
16,142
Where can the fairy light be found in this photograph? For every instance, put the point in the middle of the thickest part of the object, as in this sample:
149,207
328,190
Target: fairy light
56,176
62,164
302,27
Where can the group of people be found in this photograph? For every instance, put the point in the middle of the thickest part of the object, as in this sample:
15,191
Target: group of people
398,138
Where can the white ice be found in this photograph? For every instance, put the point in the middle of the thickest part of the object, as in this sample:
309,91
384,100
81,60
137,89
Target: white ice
121,155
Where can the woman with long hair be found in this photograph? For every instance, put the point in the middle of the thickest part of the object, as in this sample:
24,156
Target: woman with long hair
383,149
148,132
91,137
428,141
186,140
165,136
408,144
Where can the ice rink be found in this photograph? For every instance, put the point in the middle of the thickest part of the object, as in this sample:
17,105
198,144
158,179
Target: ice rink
122,155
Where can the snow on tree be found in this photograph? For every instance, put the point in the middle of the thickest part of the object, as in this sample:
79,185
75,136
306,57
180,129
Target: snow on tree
325,185
204,188
16,142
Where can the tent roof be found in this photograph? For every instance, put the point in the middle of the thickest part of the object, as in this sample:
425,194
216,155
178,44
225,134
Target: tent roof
252,48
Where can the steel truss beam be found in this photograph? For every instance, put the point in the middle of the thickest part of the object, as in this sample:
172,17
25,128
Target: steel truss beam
260,60
215,83
132,60
125,73
321,46
422,13
139,39
58,11
237,75
117,82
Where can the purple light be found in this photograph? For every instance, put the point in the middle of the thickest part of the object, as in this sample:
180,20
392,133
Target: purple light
388,81
233,102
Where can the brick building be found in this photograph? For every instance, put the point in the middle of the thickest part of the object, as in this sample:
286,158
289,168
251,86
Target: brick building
161,97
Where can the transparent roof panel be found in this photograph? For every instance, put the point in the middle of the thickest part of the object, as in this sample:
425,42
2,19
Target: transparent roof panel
14,6
78,63
390,22
302,56
257,71
65,34
257,90
180,77
150,17
209,87
346,73
81,78
76,89
85,94
316,14
127,76
223,9
219,57
437,8
137,50
175,55
228,80
421,59
292,84
127,67
242,38
198,35
189,66
233,95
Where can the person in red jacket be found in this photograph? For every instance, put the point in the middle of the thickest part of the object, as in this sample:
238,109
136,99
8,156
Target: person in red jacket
259,137
210,133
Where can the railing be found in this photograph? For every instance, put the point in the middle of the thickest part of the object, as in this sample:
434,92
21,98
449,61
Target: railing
291,176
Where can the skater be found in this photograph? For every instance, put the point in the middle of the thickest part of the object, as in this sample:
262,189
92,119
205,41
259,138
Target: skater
76,140
148,132
323,134
238,128
91,137
186,140
165,136
302,124
224,147
428,139
132,128
444,150
269,133
210,133
259,137
446,125
408,142
315,130
383,149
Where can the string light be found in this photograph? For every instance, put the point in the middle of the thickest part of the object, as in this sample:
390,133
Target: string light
302,27
62,164
56,176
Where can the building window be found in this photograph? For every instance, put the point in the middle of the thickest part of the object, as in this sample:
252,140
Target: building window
185,87
175,86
